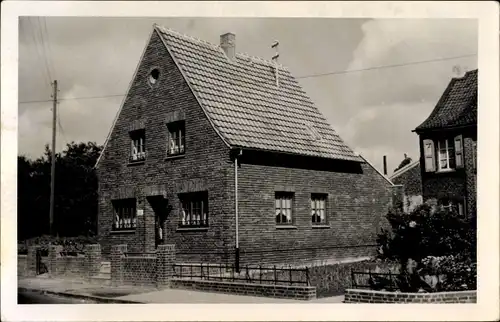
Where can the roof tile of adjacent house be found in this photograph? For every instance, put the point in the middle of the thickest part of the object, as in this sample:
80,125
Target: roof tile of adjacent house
457,106
247,107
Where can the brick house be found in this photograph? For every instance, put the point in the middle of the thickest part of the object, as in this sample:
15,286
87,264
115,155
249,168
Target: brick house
216,151
410,178
448,145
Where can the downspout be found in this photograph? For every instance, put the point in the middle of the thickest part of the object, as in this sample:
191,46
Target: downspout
237,248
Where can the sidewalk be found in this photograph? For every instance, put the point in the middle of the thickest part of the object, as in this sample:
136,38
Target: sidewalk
134,294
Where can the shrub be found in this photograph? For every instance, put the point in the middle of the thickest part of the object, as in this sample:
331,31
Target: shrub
71,245
439,245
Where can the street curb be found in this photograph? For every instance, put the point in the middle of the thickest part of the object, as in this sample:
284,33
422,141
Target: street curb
79,296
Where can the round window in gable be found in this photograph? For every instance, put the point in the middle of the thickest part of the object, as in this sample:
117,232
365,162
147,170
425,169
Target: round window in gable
153,76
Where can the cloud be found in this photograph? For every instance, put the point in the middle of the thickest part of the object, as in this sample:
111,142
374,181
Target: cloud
380,107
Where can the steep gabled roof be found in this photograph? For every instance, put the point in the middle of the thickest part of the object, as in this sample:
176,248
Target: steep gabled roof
457,106
246,107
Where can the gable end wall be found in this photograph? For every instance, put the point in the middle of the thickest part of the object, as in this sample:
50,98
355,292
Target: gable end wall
206,163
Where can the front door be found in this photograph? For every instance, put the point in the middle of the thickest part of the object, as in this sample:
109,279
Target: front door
161,209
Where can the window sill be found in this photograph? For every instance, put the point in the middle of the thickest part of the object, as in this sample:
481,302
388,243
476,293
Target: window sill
321,226
446,171
286,227
125,231
192,229
175,156
133,163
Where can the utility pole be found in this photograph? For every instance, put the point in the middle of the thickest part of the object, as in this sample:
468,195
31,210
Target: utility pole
53,168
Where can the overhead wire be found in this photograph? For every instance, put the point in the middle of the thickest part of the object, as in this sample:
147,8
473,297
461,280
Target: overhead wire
300,77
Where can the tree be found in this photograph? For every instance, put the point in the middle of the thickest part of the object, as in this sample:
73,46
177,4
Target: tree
75,211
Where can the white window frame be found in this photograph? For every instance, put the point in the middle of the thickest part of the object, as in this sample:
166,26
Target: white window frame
194,209
124,215
319,204
283,205
138,146
450,149
176,138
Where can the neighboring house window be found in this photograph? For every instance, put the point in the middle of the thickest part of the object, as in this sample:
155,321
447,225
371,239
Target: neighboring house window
138,146
176,138
125,214
194,212
283,207
318,209
443,154
446,154
455,206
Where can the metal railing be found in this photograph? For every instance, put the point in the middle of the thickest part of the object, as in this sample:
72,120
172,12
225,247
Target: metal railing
387,281
248,274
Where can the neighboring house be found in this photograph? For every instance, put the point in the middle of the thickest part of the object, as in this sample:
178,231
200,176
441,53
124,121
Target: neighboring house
212,149
448,145
410,178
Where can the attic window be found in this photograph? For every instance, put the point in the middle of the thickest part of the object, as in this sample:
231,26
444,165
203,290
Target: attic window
153,76
313,132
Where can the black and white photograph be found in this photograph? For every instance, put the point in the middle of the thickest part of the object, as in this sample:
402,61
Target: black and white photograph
170,158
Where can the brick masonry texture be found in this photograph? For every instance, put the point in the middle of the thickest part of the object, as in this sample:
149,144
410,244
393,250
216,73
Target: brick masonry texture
276,291
22,265
411,180
206,160
368,296
458,184
357,198
139,270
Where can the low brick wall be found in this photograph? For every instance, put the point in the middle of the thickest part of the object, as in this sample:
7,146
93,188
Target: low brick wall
334,279
70,266
139,270
368,296
276,291
22,261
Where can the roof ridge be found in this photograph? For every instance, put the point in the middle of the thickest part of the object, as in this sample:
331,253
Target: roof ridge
260,59
169,30
215,46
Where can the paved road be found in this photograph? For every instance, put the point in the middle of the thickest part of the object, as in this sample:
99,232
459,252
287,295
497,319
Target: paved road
29,297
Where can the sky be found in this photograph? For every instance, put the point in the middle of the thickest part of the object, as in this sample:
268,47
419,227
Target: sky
336,60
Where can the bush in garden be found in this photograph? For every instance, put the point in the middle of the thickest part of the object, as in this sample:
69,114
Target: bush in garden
441,244
71,245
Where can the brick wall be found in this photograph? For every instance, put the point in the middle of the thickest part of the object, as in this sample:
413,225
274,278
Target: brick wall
22,263
205,164
368,296
276,291
70,266
358,199
411,180
153,269
139,270
458,184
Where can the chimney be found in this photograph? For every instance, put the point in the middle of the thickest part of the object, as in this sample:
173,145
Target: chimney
385,165
275,60
228,44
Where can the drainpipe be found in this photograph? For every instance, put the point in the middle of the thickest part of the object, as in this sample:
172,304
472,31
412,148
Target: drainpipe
237,248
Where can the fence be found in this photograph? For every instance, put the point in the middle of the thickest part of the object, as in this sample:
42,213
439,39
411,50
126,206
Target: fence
247,274
387,281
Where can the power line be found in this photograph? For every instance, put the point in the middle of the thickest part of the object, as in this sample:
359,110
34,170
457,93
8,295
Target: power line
44,50
39,56
385,66
48,45
72,98
300,77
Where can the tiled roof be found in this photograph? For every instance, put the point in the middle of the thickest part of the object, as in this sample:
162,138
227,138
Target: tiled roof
245,105
457,106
